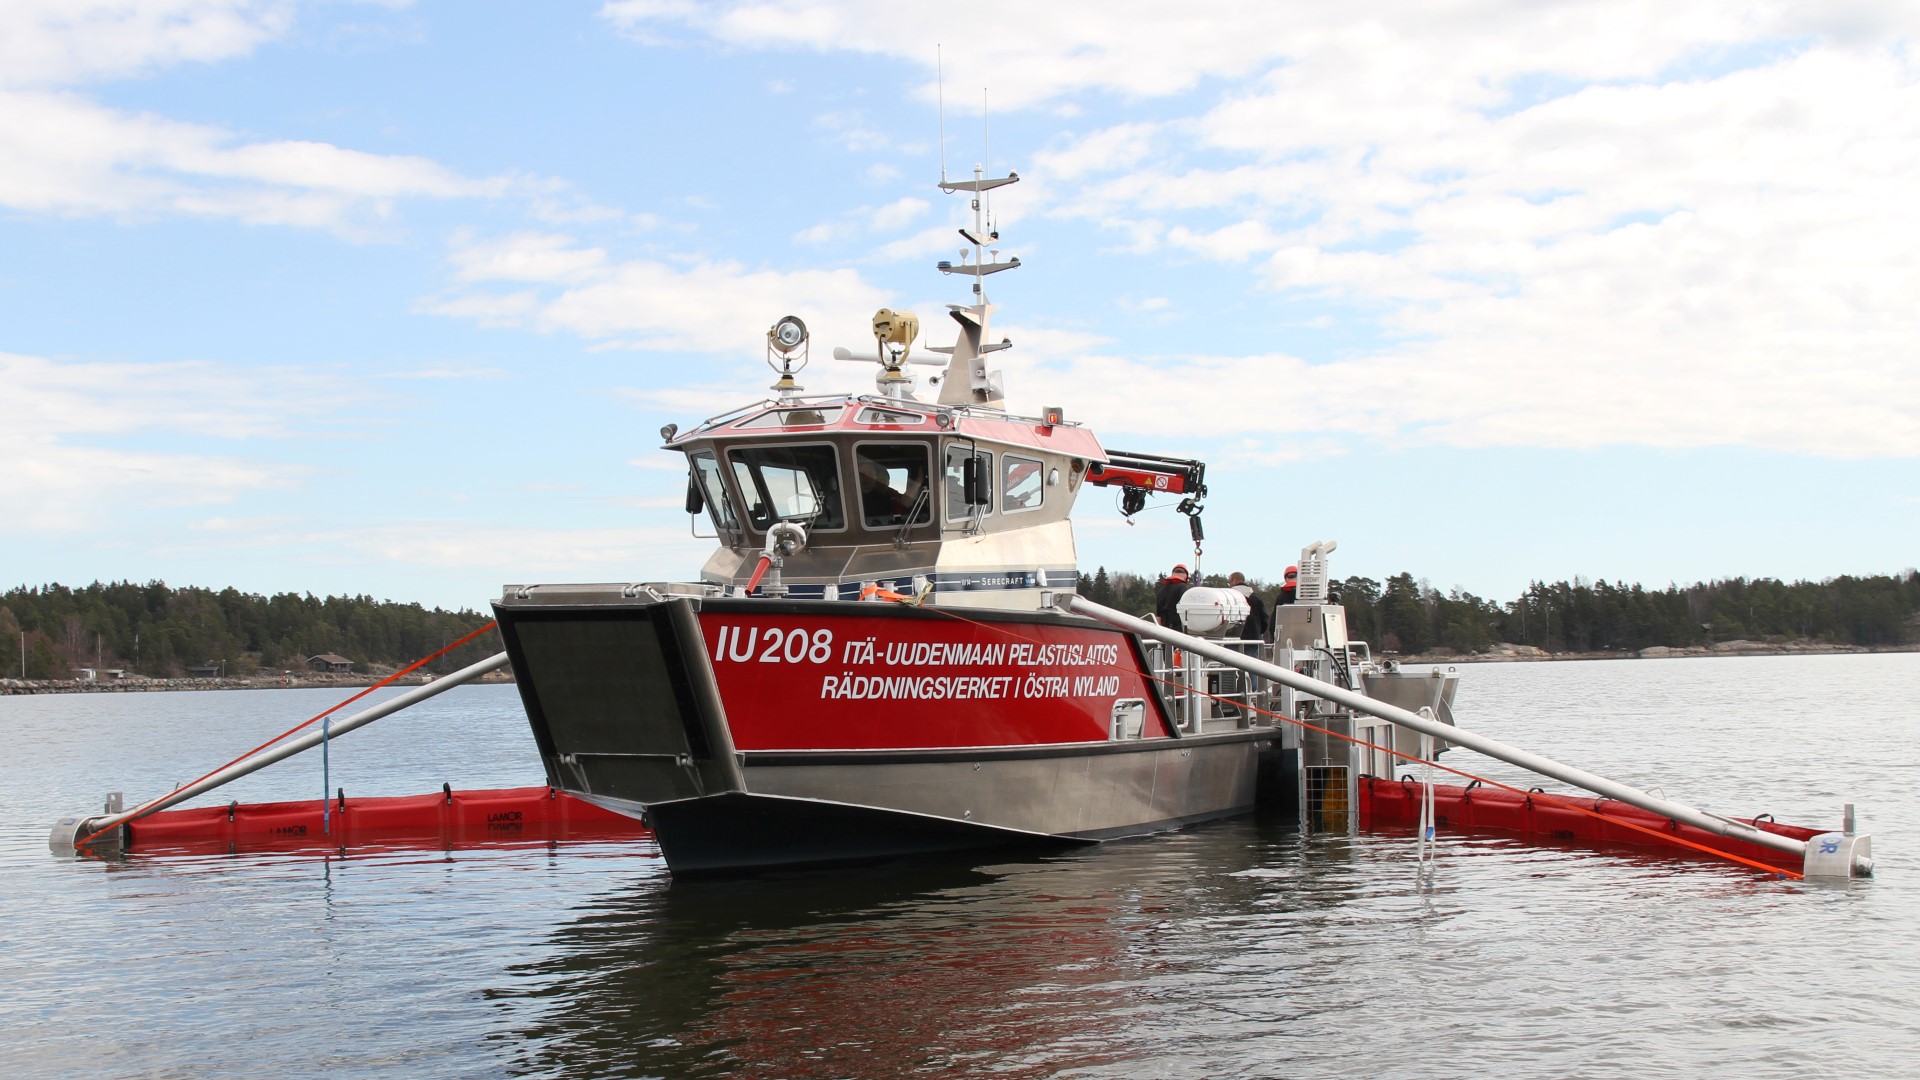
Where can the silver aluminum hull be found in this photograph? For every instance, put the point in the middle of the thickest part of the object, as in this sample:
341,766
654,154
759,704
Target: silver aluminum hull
657,745
798,808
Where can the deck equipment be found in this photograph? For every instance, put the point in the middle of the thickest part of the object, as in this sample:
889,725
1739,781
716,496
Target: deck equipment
1841,854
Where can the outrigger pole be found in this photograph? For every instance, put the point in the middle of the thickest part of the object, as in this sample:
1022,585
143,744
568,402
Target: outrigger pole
68,832
1841,855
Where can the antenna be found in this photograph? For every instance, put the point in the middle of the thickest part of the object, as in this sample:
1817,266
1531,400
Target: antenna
940,96
986,159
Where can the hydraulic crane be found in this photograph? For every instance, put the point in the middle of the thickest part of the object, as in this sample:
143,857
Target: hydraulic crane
1139,475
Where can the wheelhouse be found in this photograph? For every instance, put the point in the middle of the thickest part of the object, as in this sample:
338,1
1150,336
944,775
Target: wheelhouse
893,493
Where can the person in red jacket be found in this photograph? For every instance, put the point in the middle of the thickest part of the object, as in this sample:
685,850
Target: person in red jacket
1290,589
1166,599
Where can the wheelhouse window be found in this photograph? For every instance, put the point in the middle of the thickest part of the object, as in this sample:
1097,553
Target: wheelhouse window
889,417
958,509
789,483
706,472
1023,484
893,484
791,418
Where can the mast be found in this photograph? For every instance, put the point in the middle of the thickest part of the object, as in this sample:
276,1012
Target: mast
968,352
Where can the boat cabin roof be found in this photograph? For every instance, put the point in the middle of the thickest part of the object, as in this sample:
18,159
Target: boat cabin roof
860,470
775,419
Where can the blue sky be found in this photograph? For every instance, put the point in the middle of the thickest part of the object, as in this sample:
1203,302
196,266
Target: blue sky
392,298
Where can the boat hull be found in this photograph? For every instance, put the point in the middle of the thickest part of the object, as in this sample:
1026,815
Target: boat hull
641,706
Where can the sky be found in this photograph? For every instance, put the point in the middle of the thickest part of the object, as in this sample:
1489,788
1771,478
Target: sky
393,298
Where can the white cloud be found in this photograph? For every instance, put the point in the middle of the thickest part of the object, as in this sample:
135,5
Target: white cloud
935,242
489,309
63,154
321,166
54,486
608,554
1233,243
1540,393
703,399
539,258
740,381
59,479
897,214
1718,261
703,305
58,398
826,232
864,219
1583,224
503,552
1136,48
707,307
1114,149
62,42
852,131
1387,59
571,209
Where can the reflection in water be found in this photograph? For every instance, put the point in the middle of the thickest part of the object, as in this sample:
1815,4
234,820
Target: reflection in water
1031,967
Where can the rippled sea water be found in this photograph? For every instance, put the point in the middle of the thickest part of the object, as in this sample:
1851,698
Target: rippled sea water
1244,948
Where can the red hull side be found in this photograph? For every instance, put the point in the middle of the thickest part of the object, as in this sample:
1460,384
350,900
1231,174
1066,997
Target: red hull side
854,682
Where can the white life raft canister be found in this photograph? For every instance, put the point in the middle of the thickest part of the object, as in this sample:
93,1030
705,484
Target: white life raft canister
1209,612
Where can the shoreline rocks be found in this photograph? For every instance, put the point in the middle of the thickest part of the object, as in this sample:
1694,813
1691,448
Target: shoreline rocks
1505,652
142,684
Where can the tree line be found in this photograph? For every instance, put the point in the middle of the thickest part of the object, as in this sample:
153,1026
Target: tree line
158,631
152,629
1405,615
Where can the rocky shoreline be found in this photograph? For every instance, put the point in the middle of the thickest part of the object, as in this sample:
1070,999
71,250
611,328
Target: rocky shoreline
135,684
1503,652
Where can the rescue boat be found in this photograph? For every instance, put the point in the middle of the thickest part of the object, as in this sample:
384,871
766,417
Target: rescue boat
886,655
870,663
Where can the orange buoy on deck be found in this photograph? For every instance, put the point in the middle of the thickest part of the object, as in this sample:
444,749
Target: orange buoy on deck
444,819
1575,818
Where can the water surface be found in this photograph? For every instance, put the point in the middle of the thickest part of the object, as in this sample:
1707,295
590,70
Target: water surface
1245,948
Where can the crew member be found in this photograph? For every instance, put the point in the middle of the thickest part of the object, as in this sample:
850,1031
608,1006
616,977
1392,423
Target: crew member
879,499
1255,628
1290,589
1166,599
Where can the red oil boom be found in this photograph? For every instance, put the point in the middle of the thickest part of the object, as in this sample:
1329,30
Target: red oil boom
1822,854
446,819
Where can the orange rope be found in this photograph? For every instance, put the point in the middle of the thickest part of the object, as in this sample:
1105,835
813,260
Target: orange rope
1413,759
143,808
